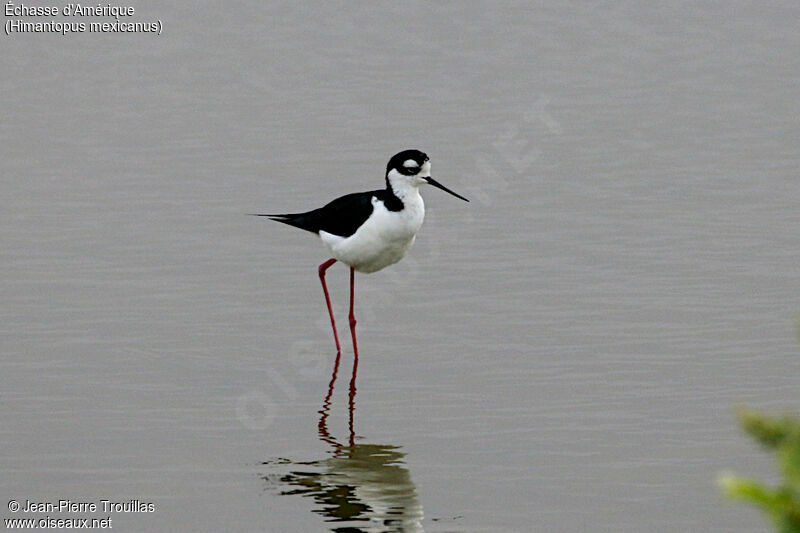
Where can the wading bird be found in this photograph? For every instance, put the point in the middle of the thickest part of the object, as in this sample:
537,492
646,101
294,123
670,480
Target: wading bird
370,230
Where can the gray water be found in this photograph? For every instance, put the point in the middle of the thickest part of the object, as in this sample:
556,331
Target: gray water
564,353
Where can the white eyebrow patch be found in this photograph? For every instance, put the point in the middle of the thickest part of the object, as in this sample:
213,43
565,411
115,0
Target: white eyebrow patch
410,163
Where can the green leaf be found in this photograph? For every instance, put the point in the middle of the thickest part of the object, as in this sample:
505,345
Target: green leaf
769,431
789,462
780,504
739,488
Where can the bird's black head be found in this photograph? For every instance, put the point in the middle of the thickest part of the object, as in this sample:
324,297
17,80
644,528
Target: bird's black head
408,170
407,162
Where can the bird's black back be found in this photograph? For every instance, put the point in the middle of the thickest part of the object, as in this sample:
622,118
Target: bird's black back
343,216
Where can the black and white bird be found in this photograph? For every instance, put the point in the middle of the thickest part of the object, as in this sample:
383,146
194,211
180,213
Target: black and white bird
370,230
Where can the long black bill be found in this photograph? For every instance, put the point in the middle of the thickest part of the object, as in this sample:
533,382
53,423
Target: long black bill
445,189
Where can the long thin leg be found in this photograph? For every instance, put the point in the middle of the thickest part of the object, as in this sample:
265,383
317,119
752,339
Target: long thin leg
322,268
352,315
352,403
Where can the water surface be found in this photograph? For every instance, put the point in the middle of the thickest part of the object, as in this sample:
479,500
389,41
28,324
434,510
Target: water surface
564,353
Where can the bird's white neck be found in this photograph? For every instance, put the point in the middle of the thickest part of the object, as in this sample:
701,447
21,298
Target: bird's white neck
406,192
406,188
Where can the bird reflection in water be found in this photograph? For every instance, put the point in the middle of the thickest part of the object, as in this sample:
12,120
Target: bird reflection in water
362,487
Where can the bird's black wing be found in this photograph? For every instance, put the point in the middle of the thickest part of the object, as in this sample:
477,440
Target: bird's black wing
342,216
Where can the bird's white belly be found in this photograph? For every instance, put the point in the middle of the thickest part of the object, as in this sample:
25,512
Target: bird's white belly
381,241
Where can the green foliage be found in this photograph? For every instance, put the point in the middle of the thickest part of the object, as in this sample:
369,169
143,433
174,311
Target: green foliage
781,504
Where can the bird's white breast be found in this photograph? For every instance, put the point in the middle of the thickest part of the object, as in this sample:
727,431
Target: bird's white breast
383,239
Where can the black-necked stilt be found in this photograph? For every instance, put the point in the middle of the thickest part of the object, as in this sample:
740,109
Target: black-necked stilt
370,230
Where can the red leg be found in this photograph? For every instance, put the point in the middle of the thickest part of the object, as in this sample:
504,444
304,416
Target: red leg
352,315
322,268
352,402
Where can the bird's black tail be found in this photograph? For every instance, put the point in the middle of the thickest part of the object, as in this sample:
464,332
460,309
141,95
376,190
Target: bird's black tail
298,220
